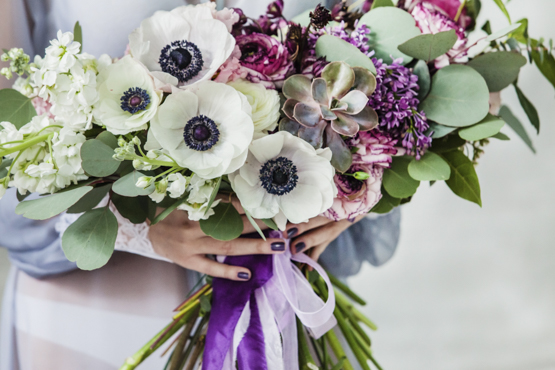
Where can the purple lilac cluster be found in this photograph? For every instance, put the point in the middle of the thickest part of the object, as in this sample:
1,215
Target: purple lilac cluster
358,37
395,100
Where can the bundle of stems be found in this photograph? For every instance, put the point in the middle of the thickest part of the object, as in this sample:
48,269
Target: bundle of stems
189,325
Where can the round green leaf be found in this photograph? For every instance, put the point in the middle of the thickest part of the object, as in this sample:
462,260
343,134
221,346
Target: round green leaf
90,200
108,138
463,180
440,130
90,240
397,181
225,224
126,186
52,205
499,69
459,97
390,28
424,79
431,167
133,209
98,159
15,108
386,204
489,126
381,3
335,49
429,46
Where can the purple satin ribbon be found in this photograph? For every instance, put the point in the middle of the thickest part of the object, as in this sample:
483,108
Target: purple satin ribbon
228,301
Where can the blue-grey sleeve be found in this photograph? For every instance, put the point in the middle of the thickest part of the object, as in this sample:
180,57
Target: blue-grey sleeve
372,240
34,247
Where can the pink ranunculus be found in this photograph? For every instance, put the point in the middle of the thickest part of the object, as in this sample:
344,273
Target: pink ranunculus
232,69
227,16
432,20
265,57
373,153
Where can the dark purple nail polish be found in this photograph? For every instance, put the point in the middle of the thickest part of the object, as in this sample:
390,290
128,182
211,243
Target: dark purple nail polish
292,232
243,275
278,246
300,246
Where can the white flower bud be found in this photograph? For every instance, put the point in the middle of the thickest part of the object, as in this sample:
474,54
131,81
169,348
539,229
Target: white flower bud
144,182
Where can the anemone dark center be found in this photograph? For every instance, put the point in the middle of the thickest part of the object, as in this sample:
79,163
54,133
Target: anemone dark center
182,59
201,133
279,176
135,100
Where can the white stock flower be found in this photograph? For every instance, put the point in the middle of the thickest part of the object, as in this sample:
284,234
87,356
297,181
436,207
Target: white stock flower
284,177
144,182
127,98
159,191
198,211
265,105
207,130
61,54
200,192
9,133
183,46
177,185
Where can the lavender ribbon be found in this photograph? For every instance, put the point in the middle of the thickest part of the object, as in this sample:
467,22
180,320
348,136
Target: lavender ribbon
228,302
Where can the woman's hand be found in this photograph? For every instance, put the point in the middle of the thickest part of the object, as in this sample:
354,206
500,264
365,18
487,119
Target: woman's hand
315,236
183,242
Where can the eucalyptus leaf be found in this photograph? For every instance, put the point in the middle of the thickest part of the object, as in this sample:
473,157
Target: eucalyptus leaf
429,46
503,32
499,69
90,240
213,195
165,213
544,60
459,97
15,108
90,200
109,139
447,143
463,180
226,224
51,205
98,158
503,9
21,197
134,209
424,79
430,167
491,125
270,223
255,225
126,185
381,3
397,181
390,28
529,108
501,136
517,127
335,49
440,130
386,203
78,35
5,167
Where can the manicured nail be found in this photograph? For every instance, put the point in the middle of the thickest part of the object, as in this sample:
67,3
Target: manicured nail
243,275
292,232
300,246
278,246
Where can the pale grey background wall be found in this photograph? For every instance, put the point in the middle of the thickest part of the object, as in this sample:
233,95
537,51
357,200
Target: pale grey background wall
471,288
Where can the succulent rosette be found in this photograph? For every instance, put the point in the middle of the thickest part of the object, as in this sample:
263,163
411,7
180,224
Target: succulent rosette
321,110
183,46
285,178
266,58
127,97
207,130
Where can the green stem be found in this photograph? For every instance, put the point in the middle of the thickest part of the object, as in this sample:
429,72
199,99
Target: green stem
304,353
345,289
349,336
176,356
24,145
357,314
337,349
459,12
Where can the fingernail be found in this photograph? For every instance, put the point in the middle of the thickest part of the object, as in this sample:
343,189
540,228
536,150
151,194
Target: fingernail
243,275
292,232
300,246
278,246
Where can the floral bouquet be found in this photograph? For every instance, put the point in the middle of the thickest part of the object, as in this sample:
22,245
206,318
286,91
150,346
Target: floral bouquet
338,112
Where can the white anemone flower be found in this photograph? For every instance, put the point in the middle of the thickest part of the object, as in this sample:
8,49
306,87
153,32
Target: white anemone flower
207,130
183,46
285,178
127,97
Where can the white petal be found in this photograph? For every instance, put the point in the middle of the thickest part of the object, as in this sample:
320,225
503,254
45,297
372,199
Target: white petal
268,147
302,204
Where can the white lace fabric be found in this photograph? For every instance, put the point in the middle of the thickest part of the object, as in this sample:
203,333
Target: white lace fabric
132,238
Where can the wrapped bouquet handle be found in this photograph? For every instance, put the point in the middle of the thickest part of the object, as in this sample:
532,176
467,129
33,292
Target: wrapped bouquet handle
253,323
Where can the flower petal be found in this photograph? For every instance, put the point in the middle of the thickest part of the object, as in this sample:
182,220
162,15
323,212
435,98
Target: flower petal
339,78
356,101
320,92
302,204
298,87
307,115
365,81
268,147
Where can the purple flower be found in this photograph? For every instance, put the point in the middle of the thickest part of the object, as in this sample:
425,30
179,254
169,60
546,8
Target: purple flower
395,100
357,37
265,57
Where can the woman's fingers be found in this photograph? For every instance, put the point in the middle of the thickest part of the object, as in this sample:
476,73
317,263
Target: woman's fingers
248,228
310,239
318,250
204,265
298,229
241,246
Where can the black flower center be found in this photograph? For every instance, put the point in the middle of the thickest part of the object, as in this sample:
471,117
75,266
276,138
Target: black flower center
182,59
279,176
135,100
353,183
201,133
